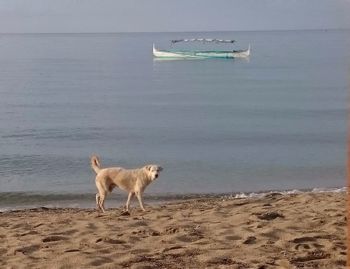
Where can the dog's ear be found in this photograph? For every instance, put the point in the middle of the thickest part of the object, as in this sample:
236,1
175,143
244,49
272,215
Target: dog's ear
160,168
148,167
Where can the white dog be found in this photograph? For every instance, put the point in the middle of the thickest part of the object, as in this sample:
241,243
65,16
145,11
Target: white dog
133,181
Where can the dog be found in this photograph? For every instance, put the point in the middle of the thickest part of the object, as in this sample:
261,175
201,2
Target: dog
133,181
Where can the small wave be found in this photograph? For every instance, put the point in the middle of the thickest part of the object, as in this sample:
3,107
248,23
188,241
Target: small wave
285,192
343,189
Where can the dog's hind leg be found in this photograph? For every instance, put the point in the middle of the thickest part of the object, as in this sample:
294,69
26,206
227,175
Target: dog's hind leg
101,202
100,196
131,194
98,202
139,197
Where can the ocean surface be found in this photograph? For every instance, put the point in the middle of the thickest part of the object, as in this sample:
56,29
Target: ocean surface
275,121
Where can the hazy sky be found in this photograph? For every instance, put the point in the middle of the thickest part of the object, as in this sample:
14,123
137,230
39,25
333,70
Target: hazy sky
42,16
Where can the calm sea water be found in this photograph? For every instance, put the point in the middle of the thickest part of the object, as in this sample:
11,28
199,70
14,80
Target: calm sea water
274,121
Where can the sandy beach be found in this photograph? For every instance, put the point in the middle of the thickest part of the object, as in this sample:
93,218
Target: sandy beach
305,230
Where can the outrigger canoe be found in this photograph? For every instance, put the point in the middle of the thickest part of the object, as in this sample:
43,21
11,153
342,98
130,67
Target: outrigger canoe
183,54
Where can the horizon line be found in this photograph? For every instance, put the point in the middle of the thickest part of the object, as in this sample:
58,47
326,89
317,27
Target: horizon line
188,31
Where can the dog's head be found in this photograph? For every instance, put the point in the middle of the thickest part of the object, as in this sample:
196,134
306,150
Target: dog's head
153,171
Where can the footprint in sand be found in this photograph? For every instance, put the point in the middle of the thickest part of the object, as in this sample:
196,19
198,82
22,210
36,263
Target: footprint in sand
54,238
233,237
220,261
72,250
339,245
91,226
110,241
250,240
269,215
171,230
302,246
304,239
318,246
186,238
29,233
306,243
310,256
139,223
28,249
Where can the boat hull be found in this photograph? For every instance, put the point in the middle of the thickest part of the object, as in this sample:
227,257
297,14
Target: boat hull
200,54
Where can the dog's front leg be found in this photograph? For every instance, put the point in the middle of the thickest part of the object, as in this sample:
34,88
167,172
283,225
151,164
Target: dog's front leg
139,197
131,194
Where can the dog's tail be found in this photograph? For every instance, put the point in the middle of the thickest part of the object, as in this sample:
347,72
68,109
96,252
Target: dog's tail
95,163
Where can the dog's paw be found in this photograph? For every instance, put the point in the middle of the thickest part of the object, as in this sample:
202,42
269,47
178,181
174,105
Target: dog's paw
125,213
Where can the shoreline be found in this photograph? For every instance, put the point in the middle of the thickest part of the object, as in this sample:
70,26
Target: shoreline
300,230
12,201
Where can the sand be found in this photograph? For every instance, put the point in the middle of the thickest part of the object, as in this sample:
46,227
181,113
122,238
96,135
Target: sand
293,231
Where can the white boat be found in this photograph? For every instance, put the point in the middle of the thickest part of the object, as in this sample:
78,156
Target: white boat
185,54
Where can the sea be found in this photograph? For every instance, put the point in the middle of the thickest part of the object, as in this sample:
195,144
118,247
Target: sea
276,121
